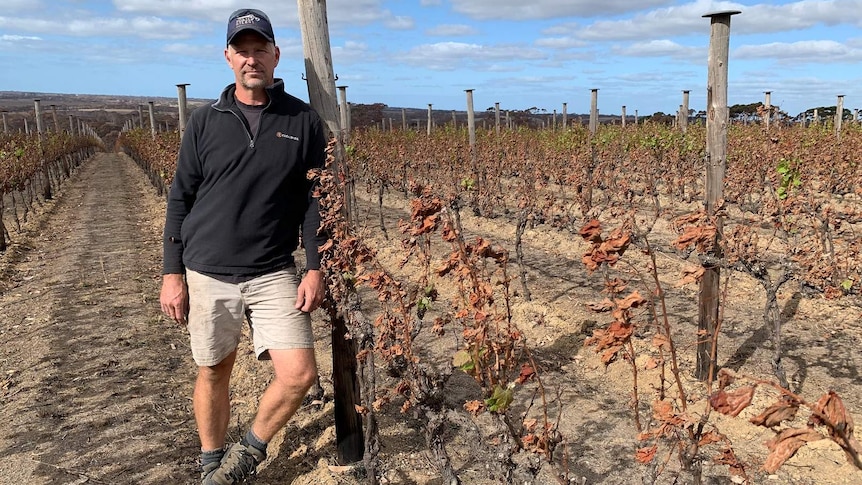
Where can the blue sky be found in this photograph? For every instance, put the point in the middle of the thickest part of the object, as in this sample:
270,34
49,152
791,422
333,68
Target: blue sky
520,53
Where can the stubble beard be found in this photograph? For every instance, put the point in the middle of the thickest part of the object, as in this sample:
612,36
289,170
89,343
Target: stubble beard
253,82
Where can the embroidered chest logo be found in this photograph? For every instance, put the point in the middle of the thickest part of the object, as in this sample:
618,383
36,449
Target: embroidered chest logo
285,135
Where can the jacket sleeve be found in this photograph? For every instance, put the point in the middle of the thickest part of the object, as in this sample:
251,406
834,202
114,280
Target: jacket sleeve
181,198
316,158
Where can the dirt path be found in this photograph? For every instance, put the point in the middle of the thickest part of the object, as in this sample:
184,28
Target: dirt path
94,385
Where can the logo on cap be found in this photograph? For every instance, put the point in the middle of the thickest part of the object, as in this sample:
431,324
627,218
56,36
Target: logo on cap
249,19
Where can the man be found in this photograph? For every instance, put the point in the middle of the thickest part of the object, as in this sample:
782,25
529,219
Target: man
235,209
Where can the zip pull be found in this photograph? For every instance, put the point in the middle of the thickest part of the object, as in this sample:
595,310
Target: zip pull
251,143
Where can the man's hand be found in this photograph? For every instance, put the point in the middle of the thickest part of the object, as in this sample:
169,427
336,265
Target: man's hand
311,291
175,297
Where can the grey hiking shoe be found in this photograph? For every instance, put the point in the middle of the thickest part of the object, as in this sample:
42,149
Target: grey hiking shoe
239,463
207,471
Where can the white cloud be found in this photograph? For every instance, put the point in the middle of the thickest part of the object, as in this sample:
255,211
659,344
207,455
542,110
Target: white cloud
398,22
547,9
145,27
17,38
282,14
560,42
351,52
452,30
821,51
688,19
662,48
446,56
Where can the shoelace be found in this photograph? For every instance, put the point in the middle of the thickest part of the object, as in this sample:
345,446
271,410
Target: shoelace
246,465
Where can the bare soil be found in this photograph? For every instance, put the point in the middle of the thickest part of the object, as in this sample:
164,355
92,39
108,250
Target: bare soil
96,384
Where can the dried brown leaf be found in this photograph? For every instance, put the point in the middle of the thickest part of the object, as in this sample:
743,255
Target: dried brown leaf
602,306
785,444
646,454
592,231
692,274
733,402
784,409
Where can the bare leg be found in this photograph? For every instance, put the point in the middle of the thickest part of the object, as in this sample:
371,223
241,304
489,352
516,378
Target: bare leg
295,372
212,402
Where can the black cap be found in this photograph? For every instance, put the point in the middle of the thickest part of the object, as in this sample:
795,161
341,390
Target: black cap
249,19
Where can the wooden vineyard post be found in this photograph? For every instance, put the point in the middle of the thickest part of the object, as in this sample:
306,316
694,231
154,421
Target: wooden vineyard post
636,117
565,116
320,77
623,116
5,123
839,115
344,112
71,125
496,118
430,119
37,107
767,107
594,111
40,131
471,128
717,119
151,108
403,119
182,107
683,112
56,120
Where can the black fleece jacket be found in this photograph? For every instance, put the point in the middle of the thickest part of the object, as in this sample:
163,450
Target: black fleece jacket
238,200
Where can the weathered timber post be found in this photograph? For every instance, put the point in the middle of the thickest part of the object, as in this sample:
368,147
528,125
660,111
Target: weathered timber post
321,94
26,126
623,116
37,107
767,107
594,112
683,112
565,116
151,107
839,115
454,120
855,115
182,107
141,116
71,125
56,120
554,121
636,117
344,111
496,118
5,123
403,119
471,128
429,120
717,119
40,132
816,119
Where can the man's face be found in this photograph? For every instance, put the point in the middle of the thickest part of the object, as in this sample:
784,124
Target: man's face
252,59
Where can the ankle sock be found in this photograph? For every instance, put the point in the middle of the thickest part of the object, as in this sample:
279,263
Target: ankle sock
211,456
252,440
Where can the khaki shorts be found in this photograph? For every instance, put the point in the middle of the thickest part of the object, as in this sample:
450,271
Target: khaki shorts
217,309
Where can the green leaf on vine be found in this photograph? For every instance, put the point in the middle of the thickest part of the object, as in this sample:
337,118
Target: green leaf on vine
464,361
500,399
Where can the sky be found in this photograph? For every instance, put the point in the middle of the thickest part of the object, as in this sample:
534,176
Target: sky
523,54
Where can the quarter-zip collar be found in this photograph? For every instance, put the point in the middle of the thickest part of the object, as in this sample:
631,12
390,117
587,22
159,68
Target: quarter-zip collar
227,103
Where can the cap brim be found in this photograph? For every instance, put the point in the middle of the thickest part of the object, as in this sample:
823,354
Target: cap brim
253,29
